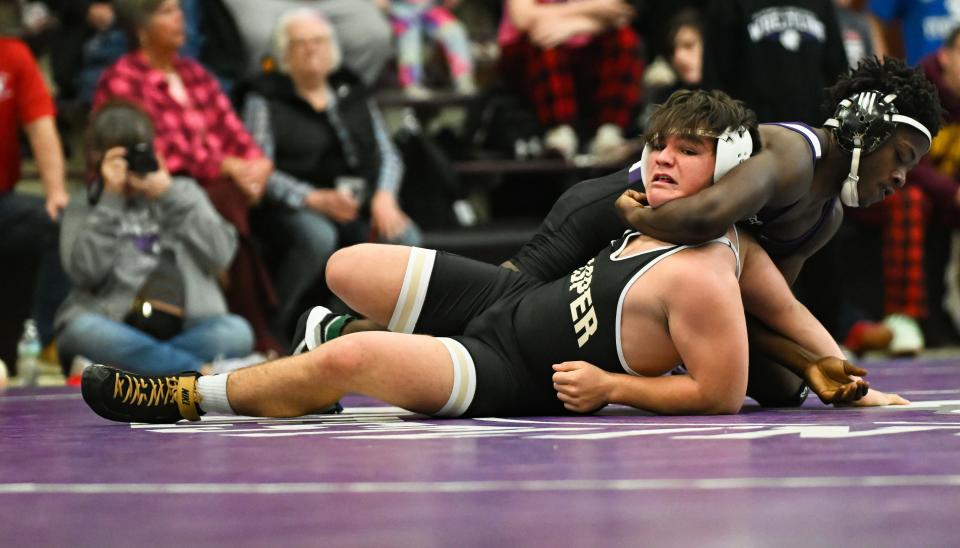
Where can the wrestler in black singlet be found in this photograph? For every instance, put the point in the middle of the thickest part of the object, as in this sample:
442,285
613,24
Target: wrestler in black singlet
515,342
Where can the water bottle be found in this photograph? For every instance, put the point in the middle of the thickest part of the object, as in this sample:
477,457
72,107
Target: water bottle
28,354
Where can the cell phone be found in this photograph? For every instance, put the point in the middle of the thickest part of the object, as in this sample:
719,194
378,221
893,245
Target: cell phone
141,159
94,191
351,186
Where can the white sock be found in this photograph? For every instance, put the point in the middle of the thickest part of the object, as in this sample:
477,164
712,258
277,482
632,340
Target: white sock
213,394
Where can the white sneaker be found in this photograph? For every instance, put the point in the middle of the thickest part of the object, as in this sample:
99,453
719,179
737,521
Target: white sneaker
417,92
608,141
563,140
465,85
907,336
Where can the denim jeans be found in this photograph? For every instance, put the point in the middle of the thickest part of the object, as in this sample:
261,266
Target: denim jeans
114,343
28,234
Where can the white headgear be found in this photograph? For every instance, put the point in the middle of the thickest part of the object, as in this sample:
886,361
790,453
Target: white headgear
734,145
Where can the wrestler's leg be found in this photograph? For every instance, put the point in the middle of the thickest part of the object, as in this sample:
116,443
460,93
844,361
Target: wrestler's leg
369,277
406,290
415,372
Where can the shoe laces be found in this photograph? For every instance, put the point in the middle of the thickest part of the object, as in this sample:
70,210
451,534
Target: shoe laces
148,392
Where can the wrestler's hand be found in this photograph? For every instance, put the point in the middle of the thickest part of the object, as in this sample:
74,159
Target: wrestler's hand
628,203
836,381
876,398
581,386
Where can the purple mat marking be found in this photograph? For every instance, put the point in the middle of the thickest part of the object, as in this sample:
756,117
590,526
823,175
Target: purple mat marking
381,476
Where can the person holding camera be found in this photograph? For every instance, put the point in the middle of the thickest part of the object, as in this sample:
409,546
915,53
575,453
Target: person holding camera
198,136
144,251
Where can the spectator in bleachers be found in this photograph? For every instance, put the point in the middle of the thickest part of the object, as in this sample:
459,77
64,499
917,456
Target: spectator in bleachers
556,52
365,36
412,20
337,171
930,198
28,224
144,252
685,53
859,40
88,40
922,25
765,51
197,135
652,23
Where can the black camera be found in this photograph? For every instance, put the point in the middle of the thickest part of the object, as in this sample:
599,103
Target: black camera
141,159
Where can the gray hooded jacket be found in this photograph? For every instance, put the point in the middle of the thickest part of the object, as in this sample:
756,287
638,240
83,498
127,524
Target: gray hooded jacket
99,250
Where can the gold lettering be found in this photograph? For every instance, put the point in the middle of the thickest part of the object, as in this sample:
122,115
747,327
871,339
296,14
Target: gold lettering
587,324
580,304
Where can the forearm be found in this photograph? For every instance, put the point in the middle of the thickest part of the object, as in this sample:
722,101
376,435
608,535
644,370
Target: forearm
688,224
588,25
779,348
792,337
45,143
669,395
524,13
281,186
391,164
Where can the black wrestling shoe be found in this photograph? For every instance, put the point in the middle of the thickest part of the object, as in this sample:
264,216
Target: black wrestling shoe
315,327
127,397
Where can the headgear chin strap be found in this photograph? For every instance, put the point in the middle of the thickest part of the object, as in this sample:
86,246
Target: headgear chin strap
734,145
861,123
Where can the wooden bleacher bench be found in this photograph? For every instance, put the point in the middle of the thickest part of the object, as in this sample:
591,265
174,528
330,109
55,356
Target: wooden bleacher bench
544,165
396,98
491,242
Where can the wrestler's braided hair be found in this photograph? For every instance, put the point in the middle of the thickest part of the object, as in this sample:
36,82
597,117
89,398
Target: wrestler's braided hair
916,95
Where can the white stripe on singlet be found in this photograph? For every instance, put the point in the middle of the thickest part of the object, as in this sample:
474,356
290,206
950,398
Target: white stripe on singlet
464,379
416,280
812,139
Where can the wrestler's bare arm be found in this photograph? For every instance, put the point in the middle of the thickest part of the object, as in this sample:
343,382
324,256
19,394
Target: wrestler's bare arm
777,175
704,316
767,297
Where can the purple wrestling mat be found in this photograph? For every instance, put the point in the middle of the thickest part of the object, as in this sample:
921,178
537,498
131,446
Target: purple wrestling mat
378,476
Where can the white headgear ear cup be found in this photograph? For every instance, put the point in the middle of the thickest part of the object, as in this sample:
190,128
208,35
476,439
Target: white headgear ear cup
734,145
644,160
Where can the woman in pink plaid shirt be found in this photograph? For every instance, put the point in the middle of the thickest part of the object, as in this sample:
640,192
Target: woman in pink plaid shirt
198,135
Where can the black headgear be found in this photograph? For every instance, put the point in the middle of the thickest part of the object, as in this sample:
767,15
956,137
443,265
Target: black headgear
861,123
